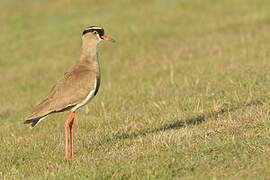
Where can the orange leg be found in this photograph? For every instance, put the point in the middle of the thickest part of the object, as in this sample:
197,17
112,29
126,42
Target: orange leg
68,123
71,137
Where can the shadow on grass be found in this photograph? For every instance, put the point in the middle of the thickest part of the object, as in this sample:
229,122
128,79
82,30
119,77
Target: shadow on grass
196,120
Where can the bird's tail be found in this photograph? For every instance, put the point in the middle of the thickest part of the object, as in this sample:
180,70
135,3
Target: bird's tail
39,113
34,121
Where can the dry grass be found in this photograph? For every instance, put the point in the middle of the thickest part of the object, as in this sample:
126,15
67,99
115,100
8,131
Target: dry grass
184,93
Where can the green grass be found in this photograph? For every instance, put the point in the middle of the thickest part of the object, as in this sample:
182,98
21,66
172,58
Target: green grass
184,92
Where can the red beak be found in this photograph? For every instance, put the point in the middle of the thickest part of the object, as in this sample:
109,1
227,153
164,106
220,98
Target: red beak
107,38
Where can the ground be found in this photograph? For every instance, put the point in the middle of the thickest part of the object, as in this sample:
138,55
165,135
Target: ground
184,92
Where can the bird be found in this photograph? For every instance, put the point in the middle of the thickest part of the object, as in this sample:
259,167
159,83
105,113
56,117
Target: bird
76,88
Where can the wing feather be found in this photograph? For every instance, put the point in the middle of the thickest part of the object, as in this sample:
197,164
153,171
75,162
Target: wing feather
70,90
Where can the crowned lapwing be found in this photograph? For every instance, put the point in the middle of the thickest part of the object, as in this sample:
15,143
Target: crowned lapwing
76,88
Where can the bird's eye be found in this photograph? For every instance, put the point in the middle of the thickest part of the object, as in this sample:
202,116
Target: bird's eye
95,32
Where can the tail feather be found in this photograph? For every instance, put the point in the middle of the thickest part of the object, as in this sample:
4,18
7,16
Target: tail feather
40,112
34,121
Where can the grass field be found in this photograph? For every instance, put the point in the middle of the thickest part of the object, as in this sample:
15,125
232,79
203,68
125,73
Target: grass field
184,94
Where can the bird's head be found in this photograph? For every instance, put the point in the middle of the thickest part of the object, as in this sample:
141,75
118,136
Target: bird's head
95,33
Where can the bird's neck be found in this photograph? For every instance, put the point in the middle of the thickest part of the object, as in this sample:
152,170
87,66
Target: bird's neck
89,53
89,57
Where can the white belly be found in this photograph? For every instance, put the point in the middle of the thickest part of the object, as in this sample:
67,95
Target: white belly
87,99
